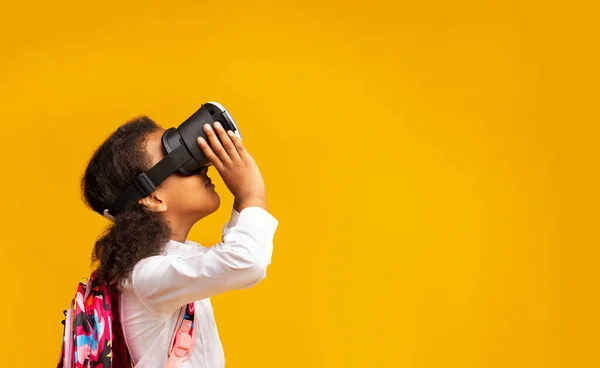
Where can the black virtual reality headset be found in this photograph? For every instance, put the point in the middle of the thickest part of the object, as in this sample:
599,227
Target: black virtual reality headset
182,155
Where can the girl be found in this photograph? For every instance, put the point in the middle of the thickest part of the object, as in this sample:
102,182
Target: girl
146,253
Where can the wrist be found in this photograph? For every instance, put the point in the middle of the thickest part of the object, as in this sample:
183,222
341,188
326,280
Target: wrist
240,204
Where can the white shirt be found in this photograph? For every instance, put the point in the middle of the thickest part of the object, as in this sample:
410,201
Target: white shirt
186,272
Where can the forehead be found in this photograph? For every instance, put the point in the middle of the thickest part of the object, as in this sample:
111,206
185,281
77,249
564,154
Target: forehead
153,146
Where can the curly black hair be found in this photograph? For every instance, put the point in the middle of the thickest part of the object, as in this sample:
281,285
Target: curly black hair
137,232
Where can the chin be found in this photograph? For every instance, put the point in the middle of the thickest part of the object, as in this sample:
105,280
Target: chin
207,210
215,203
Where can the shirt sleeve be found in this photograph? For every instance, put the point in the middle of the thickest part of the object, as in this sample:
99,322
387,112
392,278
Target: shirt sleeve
233,219
165,283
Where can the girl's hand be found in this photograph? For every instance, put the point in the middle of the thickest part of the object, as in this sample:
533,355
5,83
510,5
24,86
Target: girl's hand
236,166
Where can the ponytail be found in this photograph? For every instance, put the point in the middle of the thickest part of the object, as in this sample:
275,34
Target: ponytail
137,232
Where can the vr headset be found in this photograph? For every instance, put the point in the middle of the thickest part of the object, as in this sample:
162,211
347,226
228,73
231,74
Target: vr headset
182,155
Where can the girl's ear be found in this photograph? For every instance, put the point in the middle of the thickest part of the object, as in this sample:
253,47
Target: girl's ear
154,203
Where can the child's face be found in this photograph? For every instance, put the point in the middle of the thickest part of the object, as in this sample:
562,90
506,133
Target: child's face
181,198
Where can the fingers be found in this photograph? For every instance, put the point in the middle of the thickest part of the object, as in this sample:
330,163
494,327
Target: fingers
209,153
221,154
237,142
216,146
227,143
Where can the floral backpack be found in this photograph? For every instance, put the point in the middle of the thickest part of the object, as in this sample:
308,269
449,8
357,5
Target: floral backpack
93,336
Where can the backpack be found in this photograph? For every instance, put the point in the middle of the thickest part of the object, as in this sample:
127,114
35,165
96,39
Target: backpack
93,336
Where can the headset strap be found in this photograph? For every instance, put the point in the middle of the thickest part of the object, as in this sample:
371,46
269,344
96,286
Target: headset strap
146,183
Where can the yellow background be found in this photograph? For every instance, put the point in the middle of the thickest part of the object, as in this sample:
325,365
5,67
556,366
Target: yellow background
432,165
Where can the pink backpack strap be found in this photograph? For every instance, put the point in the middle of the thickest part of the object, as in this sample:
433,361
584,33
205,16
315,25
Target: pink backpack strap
69,332
184,338
68,342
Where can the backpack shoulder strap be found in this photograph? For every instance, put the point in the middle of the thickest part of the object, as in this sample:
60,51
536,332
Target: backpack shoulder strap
184,338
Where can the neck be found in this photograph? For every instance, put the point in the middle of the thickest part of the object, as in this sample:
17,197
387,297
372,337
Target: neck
180,229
